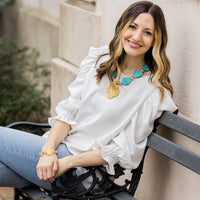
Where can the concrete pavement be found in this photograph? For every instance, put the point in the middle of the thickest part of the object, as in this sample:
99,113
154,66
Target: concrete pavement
6,193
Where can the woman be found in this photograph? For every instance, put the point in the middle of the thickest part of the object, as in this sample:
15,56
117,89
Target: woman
114,101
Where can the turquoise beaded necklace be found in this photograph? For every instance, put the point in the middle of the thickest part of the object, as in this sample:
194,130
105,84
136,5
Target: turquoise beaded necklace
137,74
113,91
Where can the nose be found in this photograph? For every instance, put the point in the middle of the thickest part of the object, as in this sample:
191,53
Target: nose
137,35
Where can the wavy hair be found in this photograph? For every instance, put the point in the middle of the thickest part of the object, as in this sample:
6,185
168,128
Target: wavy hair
155,57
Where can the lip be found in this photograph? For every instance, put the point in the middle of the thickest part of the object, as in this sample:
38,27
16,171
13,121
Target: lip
133,45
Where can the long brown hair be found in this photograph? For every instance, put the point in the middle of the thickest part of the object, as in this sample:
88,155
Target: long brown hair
155,57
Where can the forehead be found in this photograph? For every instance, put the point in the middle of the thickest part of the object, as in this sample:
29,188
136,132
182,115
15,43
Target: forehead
144,20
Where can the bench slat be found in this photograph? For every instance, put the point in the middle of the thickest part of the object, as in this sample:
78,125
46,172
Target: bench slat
180,125
122,196
35,193
175,152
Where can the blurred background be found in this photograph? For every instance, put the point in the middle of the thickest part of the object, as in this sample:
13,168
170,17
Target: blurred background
42,43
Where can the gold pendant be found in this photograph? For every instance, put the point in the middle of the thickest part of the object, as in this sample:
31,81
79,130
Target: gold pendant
112,91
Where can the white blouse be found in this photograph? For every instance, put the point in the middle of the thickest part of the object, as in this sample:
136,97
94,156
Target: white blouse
119,126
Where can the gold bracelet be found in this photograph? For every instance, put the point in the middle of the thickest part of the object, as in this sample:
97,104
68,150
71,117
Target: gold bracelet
48,152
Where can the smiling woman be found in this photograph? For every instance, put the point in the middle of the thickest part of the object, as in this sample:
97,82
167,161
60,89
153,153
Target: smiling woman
138,39
119,92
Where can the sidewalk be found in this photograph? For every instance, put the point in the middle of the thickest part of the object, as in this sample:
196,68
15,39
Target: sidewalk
6,193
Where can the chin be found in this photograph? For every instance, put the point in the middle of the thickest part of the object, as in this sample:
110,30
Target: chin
133,54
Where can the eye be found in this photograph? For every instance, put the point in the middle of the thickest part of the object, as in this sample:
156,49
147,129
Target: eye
133,27
148,33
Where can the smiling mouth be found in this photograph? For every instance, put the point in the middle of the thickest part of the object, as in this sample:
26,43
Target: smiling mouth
133,45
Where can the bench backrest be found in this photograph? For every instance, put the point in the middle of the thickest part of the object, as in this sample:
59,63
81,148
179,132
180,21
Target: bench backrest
169,148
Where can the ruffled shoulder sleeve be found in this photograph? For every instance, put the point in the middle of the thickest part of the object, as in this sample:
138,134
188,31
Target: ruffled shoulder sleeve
67,109
128,146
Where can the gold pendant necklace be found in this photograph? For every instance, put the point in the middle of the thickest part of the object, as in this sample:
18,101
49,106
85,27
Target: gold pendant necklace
112,91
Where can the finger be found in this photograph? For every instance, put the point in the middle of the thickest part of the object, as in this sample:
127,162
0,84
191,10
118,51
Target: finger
44,175
49,172
55,168
51,180
39,173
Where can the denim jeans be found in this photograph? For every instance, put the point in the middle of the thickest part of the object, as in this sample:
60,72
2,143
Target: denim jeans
19,157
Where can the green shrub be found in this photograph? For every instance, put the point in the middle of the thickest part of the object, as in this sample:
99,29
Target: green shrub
4,3
24,84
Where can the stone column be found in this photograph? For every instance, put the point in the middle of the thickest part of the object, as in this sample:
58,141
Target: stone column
80,28
32,23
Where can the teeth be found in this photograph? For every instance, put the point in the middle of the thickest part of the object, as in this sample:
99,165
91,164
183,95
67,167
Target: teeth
136,45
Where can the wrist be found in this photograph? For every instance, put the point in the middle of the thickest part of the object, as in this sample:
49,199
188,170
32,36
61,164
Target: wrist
69,162
48,152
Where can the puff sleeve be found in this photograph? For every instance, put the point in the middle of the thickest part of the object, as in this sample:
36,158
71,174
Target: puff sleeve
67,109
128,146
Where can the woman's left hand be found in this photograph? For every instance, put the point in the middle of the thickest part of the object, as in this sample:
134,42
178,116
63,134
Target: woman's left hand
64,165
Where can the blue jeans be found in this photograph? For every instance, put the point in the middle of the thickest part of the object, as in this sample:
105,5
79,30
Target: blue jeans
19,157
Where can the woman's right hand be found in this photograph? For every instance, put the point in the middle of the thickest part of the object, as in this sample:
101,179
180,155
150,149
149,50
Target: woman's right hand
47,168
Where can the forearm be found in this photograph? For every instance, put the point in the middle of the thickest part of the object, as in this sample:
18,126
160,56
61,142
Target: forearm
57,133
91,158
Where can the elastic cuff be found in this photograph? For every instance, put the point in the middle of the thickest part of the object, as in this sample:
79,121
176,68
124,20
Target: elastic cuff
110,155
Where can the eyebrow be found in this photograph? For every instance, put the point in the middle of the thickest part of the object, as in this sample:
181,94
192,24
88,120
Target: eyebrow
145,28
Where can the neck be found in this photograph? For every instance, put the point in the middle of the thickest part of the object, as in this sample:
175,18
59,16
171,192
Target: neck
131,64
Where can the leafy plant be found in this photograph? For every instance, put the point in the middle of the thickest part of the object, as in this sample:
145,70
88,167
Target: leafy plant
24,84
4,3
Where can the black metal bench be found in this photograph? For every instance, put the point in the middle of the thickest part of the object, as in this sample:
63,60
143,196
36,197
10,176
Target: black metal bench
127,190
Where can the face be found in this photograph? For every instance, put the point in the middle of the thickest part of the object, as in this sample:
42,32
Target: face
138,38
